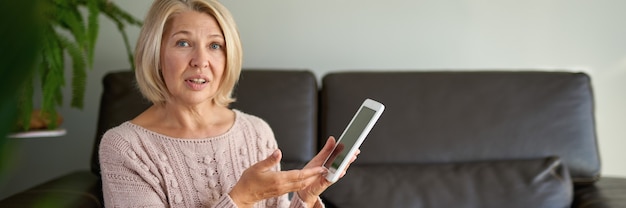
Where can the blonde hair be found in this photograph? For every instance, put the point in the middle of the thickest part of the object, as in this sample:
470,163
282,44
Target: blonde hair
147,52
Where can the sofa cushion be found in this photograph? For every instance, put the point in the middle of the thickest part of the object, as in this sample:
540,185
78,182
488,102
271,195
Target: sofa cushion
441,117
533,183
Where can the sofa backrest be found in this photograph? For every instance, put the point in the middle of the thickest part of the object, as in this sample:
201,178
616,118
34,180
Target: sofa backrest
286,99
453,117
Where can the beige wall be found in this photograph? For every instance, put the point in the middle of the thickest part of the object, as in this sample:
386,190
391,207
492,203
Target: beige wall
329,35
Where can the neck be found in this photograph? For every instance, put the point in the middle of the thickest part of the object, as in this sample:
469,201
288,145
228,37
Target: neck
198,121
189,117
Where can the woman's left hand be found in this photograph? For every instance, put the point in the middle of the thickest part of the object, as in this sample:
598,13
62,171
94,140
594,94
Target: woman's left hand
310,194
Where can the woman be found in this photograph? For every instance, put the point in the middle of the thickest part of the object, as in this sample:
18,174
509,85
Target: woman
189,149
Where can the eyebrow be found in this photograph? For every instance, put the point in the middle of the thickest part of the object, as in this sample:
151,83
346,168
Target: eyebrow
185,32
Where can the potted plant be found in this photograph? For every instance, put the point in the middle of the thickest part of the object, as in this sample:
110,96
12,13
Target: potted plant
79,19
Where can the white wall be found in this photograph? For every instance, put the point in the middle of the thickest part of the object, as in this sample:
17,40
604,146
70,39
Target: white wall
331,35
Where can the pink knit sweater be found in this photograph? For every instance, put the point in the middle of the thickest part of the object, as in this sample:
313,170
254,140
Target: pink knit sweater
142,168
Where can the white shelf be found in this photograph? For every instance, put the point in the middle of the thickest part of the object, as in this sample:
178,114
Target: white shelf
39,133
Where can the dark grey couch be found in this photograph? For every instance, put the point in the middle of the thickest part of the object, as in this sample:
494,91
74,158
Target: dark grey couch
446,139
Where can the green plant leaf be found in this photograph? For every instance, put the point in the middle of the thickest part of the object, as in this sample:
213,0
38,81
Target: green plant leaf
92,29
52,74
67,30
71,19
52,53
20,42
25,103
113,11
79,72
119,17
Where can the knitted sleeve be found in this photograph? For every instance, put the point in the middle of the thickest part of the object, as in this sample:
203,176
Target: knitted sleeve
127,181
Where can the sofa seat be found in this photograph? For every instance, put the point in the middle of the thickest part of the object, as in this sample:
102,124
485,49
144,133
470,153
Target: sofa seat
76,189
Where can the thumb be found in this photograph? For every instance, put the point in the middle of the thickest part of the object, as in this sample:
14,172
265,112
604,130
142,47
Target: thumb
330,144
270,161
327,149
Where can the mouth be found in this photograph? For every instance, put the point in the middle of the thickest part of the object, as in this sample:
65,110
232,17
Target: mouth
197,81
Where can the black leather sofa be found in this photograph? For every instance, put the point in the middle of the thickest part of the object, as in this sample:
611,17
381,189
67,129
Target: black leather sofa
446,139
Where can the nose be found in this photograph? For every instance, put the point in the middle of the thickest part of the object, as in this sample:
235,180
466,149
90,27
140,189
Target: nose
200,59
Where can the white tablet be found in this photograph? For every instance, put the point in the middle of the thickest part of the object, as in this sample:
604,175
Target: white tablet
352,137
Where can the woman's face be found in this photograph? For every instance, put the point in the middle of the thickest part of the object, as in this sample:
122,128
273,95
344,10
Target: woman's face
193,57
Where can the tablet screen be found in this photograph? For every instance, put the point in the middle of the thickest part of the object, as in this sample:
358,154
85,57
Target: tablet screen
350,137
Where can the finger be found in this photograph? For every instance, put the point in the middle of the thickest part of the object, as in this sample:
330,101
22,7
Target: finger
351,161
318,160
326,150
330,144
345,170
304,174
296,180
269,162
356,154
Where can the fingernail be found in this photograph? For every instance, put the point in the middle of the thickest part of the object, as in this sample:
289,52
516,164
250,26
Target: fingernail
275,153
323,170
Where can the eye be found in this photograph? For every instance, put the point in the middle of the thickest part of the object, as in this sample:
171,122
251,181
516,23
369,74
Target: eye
215,46
182,43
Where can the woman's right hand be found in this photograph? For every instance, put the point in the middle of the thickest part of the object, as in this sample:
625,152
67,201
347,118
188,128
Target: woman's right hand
260,181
